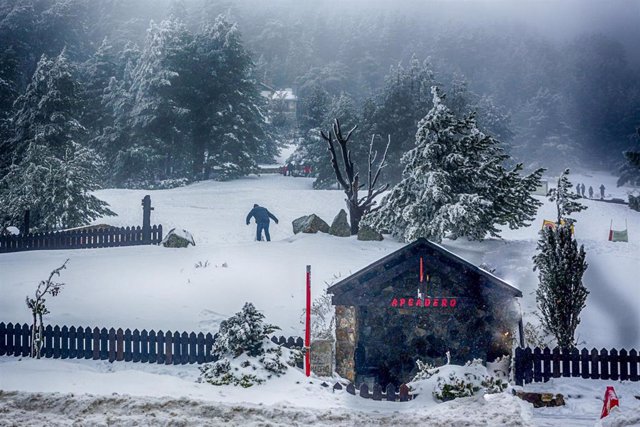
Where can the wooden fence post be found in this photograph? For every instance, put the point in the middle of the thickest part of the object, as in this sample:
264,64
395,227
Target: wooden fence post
146,219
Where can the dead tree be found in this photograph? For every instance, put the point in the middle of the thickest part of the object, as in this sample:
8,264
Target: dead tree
39,309
349,180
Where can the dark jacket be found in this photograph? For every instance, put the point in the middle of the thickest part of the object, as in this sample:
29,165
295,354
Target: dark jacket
261,215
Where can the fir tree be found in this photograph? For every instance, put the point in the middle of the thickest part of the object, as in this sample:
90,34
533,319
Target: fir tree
51,173
455,184
565,199
561,296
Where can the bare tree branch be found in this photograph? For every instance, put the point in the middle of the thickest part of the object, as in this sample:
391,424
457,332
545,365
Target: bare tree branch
349,179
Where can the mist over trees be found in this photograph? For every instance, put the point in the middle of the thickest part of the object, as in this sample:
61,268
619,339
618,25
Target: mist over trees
169,90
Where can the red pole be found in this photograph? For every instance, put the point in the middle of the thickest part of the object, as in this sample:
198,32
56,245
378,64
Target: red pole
307,335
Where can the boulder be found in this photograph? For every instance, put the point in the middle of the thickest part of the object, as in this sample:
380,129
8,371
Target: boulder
366,233
178,238
340,226
9,231
540,400
310,224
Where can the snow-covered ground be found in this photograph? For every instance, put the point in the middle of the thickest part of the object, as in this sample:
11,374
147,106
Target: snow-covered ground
158,288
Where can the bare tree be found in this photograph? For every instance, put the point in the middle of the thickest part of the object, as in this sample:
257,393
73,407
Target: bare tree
350,179
39,309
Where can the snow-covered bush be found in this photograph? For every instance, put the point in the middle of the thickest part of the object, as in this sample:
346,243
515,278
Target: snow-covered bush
449,382
244,353
425,371
469,381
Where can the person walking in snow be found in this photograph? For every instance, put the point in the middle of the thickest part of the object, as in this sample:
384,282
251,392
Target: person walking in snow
601,191
582,190
590,192
578,188
261,216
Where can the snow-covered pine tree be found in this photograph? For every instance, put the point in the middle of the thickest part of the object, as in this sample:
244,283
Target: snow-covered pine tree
51,173
229,127
405,100
561,295
243,353
565,198
157,117
455,184
97,72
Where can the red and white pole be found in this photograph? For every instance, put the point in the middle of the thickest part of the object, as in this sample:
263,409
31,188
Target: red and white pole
307,335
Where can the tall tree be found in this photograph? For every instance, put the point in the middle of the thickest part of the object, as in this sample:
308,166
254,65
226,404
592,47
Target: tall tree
349,178
455,184
229,130
565,199
561,295
52,174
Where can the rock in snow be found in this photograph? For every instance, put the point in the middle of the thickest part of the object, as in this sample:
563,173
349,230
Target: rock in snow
178,238
310,224
366,233
340,225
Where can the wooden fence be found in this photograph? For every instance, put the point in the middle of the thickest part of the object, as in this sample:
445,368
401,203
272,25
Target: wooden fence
83,239
542,364
169,348
378,393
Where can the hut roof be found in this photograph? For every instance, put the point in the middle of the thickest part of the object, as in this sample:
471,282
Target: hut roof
392,266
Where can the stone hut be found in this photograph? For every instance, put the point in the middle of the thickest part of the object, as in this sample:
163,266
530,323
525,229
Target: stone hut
418,303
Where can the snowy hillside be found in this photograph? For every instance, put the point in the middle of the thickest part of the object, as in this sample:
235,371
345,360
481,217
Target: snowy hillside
160,288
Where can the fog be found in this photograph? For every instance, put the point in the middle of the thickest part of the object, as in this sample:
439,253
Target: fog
557,82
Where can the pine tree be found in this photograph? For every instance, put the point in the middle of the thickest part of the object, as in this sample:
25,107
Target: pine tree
565,199
455,184
51,173
229,129
157,118
561,296
405,100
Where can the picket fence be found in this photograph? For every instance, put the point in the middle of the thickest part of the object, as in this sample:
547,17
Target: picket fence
83,239
389,393
169,348
539,365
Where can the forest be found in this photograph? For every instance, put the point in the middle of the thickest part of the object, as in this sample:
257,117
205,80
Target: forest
159,93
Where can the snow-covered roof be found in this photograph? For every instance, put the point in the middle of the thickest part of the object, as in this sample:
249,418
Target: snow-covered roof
394,263
280,95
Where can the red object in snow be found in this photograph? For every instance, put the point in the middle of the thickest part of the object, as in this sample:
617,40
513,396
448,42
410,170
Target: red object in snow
610,401
307,335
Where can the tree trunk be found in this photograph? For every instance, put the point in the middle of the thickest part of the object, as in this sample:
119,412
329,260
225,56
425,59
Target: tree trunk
197,155
33,335
355,215
40,337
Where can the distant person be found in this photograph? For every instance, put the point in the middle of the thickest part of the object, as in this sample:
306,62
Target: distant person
578,188
601,191
590,192
582,190
261,216
289,169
